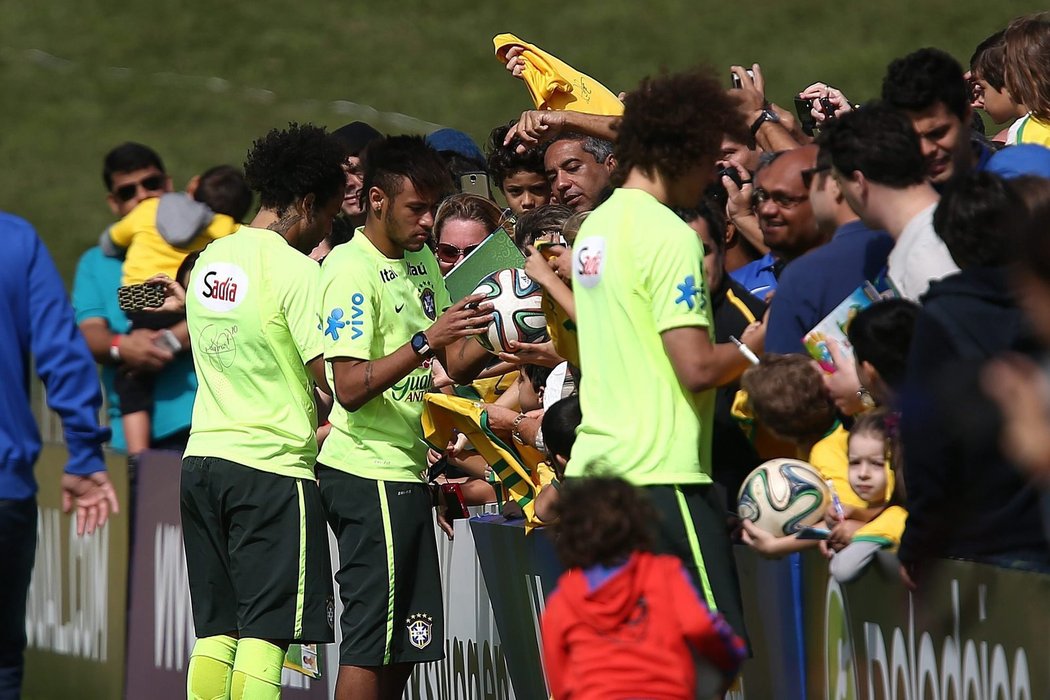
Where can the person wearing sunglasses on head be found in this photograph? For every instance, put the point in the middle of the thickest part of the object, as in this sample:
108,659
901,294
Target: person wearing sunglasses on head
132,173
461,224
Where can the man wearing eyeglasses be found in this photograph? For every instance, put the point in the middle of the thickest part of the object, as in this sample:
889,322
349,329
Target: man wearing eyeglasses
815,283
781,203
132,173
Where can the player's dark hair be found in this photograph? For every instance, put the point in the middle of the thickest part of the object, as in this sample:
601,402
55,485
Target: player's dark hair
923,78
126,158
225,191
602,520
288,164
881,335
673,123
389,160
504,161
878,141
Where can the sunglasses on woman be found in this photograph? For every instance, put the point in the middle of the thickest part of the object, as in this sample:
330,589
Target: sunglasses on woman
448,253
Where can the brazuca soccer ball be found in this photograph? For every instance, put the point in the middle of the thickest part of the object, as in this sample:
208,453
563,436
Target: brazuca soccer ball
517,315
783,495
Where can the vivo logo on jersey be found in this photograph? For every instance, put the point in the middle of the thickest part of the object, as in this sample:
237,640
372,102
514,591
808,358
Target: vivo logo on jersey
221,286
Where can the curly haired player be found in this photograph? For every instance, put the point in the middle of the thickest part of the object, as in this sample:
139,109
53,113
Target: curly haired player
649,300
253,525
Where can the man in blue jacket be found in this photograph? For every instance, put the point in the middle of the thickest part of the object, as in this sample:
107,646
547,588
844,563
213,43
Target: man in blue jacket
36,320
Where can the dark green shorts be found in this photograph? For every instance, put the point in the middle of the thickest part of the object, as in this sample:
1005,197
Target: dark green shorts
692,526
388,575
256,553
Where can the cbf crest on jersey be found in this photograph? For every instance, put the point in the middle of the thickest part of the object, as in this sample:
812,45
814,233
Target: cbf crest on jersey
419,630
429,302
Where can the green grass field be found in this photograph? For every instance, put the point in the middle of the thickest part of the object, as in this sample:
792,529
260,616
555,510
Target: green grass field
199,80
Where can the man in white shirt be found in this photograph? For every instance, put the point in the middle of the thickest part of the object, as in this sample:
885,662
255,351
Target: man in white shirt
878,163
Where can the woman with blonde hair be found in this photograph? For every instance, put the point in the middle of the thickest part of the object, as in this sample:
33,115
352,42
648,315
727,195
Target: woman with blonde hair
461,223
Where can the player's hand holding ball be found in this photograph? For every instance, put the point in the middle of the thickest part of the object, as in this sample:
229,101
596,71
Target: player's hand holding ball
468,316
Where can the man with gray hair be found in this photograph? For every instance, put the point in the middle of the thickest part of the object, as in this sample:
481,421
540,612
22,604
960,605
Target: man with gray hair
579,167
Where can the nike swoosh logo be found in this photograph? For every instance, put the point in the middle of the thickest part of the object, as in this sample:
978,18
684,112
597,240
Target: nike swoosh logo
397,309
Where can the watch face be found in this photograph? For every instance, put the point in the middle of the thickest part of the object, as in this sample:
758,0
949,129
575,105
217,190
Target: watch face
419,343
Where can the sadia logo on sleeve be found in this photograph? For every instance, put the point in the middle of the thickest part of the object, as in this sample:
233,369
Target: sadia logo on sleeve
221,287
589,260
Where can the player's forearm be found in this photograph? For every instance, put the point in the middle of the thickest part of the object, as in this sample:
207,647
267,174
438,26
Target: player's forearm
464,360
359,381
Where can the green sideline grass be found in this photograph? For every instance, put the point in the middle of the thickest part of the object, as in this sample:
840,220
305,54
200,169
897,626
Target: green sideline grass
199,80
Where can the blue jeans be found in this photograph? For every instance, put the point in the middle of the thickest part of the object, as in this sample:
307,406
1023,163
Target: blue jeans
18,544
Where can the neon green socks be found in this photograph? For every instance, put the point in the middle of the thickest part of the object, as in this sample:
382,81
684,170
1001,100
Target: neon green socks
211,666
257,671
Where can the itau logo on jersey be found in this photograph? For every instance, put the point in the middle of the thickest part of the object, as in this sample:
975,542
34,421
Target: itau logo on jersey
221,286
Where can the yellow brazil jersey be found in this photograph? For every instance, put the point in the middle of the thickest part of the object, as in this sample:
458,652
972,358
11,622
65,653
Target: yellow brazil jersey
371,306
251,308
1035,131
639,422
886,529
554,84
562,330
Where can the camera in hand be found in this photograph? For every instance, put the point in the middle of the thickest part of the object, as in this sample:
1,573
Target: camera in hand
717,191
804,109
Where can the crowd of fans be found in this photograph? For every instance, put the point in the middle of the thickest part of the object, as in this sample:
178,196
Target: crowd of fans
687,239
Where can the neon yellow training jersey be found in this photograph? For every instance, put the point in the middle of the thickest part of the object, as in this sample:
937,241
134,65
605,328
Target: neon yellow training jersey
251,308
372,305
638,272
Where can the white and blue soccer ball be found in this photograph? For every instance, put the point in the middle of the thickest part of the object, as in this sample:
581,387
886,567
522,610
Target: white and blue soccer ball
517,314
783,495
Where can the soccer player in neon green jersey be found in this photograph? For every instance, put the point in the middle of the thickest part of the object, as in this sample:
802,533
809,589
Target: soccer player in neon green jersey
387,318
647,353
253,524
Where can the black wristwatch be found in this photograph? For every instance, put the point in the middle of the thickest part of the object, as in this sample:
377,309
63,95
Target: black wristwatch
767,115
420,345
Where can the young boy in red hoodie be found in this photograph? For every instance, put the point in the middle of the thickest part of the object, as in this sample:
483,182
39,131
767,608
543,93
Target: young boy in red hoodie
624,622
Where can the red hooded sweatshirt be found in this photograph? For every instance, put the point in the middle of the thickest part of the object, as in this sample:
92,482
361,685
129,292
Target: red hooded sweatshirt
634,635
